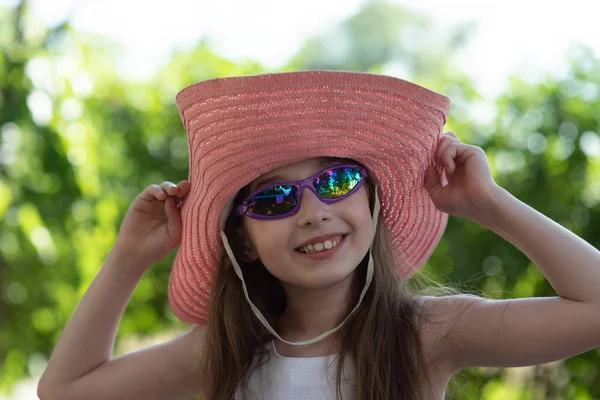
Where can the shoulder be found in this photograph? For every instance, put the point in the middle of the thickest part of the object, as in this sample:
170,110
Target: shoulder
186,355
438,319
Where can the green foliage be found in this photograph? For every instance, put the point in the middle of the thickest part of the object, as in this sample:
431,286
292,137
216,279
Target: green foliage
78,143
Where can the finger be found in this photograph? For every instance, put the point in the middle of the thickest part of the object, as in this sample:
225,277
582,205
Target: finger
432,180
452,135
169,187
170,207
184,188
448,156
459,154
153,191
442,146
173,215
448,139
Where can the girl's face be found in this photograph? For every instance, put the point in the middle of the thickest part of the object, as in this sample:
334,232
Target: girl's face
276,242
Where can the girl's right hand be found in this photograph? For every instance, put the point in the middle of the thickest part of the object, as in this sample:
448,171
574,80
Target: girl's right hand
151,228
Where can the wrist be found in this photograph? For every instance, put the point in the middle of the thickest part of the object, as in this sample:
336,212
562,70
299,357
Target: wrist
125,264
498,200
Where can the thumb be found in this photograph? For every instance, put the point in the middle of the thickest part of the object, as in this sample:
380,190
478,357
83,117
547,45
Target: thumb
173,217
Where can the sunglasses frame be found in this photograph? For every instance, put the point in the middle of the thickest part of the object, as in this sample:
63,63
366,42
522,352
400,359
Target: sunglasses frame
242,209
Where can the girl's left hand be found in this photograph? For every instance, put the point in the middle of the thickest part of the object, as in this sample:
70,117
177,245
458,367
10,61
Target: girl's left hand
470,186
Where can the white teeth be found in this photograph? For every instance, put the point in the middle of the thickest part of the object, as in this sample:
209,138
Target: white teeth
326,245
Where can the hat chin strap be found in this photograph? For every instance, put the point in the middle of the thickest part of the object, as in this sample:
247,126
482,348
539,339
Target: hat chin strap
261,317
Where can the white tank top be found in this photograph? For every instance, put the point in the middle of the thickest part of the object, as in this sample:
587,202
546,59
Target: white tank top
310,378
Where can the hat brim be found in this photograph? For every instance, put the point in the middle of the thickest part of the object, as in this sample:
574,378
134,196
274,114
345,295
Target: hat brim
240,128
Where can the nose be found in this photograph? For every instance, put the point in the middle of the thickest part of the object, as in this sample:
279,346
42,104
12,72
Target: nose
312,210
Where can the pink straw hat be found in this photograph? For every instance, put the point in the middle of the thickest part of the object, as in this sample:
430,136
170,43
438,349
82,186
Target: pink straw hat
239,128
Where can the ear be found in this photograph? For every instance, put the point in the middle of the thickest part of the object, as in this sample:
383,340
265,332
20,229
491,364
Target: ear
248,252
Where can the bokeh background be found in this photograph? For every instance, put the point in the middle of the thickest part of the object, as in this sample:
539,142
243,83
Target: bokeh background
87,120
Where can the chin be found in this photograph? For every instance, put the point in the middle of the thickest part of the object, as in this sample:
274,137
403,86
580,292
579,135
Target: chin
321,279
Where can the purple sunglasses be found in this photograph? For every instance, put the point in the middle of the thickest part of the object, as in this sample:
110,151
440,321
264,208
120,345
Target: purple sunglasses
282,200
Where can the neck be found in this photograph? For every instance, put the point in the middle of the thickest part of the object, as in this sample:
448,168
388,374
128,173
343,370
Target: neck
310,312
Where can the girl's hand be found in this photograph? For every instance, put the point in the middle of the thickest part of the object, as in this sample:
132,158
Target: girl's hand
470,186
151,228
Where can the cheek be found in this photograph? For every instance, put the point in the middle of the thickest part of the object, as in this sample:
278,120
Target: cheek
361,218
268,238
360,206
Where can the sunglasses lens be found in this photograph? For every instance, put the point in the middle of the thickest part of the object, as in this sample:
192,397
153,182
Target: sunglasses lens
337,182
273,201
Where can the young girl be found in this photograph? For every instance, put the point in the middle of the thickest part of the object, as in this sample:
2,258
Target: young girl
312,198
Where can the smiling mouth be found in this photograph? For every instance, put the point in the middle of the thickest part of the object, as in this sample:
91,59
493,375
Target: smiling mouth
322,247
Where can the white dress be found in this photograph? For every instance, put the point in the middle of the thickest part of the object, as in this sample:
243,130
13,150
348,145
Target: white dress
310,378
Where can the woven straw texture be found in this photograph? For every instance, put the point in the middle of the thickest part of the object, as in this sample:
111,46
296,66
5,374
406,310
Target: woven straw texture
239,128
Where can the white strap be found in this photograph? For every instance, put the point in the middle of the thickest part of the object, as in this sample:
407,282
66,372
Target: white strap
262,319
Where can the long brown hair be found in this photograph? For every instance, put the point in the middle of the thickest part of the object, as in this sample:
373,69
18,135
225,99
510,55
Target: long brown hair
381,337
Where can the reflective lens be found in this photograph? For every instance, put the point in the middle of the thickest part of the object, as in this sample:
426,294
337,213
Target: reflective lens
275,200
337,182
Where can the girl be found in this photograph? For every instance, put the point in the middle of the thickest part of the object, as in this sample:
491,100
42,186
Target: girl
312,198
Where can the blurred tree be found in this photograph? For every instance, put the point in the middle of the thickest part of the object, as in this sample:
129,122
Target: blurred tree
542,140
545,149
78,143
